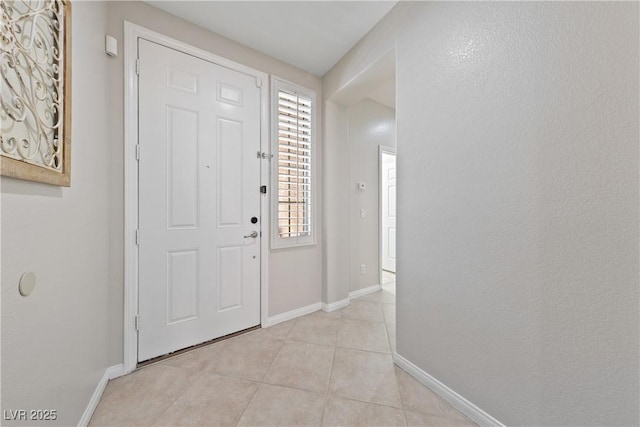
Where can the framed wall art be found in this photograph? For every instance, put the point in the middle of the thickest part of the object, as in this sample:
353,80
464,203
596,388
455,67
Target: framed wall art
35,109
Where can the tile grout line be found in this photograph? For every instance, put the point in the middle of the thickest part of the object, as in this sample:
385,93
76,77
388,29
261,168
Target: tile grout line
332,396
248,403
264,376
404,409
261,382
365,320
295,321
386,324
364,351
291,388
368,351
352,399
312,343
333,361
178,395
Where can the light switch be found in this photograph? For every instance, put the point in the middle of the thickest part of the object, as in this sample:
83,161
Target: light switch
362,213
111,46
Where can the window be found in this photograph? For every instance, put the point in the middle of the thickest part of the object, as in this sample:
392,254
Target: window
293,167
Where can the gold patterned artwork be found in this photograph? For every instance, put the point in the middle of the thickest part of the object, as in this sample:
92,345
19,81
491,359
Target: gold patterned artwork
35,108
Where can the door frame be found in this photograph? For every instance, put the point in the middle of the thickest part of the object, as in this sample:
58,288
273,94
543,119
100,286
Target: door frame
383,150
132,33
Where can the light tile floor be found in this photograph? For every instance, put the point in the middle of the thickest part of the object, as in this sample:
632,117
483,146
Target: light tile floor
331,369
388,277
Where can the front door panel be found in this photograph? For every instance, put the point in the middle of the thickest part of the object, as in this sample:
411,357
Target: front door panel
199,179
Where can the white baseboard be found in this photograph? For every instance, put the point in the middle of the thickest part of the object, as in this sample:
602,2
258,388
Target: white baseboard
364,291
289,315
116,371
460,403
302,311
109,374
336,305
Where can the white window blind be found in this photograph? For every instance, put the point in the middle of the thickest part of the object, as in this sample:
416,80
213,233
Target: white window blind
293,118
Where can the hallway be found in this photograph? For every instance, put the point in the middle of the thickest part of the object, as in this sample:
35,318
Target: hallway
321,369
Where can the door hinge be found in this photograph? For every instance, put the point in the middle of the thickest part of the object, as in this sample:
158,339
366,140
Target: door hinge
138,66
136,322
263,189
137,151
263,155
138,237
258,82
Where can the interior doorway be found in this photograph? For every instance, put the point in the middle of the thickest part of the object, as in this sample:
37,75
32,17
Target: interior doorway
363,117
369,114
387,197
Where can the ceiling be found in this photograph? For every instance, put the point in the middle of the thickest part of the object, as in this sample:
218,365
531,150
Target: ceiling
311,35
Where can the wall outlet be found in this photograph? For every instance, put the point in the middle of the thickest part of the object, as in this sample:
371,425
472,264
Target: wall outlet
363,269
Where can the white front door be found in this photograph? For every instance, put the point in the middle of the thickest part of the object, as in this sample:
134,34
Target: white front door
388,190
199,181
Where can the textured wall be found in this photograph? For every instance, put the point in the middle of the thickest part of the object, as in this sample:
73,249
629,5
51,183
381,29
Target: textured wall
517,128
55,342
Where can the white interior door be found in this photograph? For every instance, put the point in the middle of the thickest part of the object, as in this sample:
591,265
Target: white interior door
388,220
199,179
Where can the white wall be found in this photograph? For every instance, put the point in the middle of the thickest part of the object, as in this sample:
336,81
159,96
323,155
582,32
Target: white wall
518,202
335,235
289,288
370,125
55,342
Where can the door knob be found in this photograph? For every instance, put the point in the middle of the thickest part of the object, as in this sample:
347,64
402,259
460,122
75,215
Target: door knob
253,234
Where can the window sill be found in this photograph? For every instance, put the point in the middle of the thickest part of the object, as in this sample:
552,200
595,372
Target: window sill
279,244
